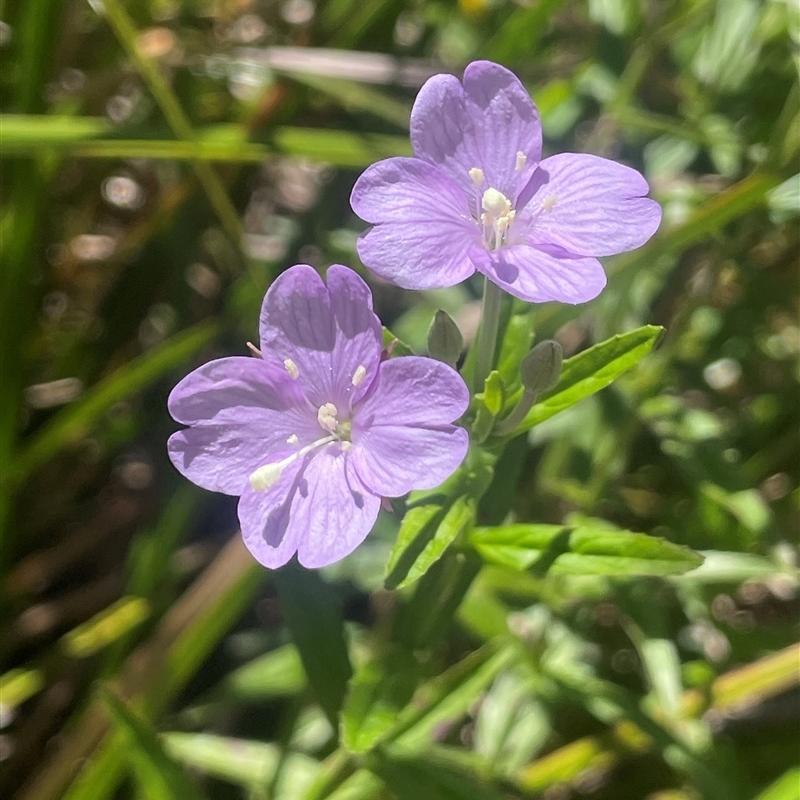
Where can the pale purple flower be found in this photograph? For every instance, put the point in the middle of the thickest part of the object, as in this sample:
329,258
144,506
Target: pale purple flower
478,196
315,433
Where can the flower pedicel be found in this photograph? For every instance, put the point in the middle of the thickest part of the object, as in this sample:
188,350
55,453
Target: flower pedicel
315,433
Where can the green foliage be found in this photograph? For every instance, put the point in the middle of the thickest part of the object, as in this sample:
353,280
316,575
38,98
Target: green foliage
506,634
581,550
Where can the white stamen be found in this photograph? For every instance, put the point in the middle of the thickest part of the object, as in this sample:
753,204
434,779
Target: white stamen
550,203
359,374
292,439
268,475
326,416
522,159
291,368
476,175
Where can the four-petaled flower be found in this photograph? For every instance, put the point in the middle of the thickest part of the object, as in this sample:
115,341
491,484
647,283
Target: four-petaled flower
312,435
478,196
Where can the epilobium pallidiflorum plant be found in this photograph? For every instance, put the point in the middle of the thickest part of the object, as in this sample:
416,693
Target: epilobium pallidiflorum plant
313,433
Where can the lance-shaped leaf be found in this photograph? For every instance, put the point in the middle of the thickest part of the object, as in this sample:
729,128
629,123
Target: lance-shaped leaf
378,692
312,614
581,550
435,518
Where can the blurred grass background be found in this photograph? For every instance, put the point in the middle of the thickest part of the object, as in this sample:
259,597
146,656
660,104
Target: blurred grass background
162,162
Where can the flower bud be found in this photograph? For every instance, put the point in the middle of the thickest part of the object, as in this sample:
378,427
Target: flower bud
444,339
541,368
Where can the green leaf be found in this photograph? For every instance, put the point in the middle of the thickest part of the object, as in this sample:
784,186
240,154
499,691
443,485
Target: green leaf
75,421
448,697
457,520
89,137
493,393
426,511
785,788
593,370
277,674
251,764
581,550
378,692
416,530
426,777
158,776
108,626
312,613
516,344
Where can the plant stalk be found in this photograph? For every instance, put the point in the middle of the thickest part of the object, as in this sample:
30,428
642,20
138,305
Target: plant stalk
487,333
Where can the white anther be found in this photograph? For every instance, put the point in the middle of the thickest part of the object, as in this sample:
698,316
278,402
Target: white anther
495,203
326,416
476,175
549,203
266,476
292,439
359,374
291,368
522,159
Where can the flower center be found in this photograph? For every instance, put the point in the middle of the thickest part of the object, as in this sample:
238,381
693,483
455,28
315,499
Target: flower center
327,416
497,215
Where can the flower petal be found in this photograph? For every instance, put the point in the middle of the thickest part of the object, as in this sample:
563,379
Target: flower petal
268,527
591,207
320,510
483,124
538,277
228,390
413,391
401,436
394,459
424,227
335,509
326,332
242,411
359,338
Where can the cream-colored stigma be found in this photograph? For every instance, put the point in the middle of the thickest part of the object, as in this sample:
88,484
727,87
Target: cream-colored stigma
359,374
498,212
495,203
476,176
291,368
266,476
521,161
326,416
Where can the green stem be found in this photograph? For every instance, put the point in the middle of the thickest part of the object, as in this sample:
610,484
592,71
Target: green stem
487,333
514,419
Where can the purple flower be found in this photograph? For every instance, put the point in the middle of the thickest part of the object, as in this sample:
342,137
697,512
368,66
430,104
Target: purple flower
478,196
312,435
